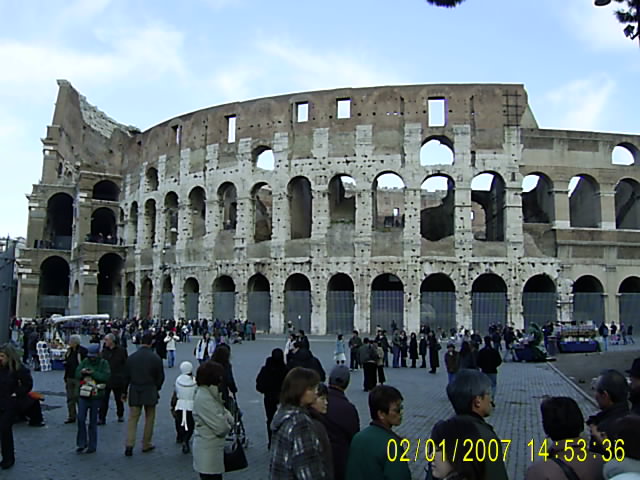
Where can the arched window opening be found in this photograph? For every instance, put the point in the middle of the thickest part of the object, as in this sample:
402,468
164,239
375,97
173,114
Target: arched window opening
146,296
150,223
300,207
297,302
588,301
53,294
627,196
198,205
262,197
438,302
537,199
488,302
437,194
130,300
152,179
437,151
584,202
259,302
167,299
624,154
109,291
388,205
103,227
106,190
342,199
133,224
340,304
264,159
59,223
629,305
488,191
171,215
224,299
191,299
539,301
229,204
387,303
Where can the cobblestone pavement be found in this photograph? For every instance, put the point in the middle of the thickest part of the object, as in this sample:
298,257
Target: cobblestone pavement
49,453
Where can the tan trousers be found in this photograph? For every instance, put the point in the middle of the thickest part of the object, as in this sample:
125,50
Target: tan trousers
149,420
72,386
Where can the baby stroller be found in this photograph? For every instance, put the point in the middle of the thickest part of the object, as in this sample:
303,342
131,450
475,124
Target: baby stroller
237,441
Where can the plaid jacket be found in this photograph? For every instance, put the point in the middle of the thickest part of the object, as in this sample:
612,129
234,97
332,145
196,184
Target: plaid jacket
295,447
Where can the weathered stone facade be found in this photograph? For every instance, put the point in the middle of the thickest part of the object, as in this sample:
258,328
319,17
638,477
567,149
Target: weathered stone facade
190,222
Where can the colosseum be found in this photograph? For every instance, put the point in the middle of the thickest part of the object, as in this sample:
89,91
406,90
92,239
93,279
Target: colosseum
437,204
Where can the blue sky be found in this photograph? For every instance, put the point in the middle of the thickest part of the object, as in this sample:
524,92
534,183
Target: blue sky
145,61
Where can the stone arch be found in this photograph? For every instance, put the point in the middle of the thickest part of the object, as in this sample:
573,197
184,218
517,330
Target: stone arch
53,291
167,298
297,302
300,207
489,303
537,199
388,202
584,202
438,302
152,179
263,158
228,198
387,303
106,190
109,299
130,299
259,302
437,203
191,298
149,223
198,206
629,303
224,298
171,215
262,203
588,300
437,150
103,226
340,304
488,194
146,298
539,300
624,153
59,224
133,223
627,204
342,199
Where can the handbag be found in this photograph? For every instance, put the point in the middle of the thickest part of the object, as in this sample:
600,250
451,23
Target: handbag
234,456
88,390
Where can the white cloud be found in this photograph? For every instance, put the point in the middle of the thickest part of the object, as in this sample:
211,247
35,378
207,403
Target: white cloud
580,104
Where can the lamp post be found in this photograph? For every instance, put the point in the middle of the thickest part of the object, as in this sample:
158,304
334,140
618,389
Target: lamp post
629,17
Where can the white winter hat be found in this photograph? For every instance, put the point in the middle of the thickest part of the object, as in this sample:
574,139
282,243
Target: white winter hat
186,368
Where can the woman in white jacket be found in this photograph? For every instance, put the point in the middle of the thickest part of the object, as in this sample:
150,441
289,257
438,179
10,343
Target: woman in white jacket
213,423
182,405
204,348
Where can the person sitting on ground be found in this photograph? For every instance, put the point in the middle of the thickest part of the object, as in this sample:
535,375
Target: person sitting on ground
612,395
563,424
625,432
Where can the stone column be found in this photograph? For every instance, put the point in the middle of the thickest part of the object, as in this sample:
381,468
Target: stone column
318,307
607,207
89,291
242,236
364,221
184,224
277,306
463,234
411,232
280,223
212,216
320,226
363,299
562,216
412,298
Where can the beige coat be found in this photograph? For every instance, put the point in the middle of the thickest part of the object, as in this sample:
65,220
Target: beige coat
212,424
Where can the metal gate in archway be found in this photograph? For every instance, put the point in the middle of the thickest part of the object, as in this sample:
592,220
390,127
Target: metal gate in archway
539,308
488,308
588,306
387,308
166,308
224,306
629,309
297,309
438,310
259,310
340,316
192,305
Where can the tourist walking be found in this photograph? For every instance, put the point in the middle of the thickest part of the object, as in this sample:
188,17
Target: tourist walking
452,361
368,458
404,348
489,359
422,348
116,356
204,348
413,349
212,422
269,383
295,446
170,343
144,376
15,382
75,354
340,352
228,387
603,331
396,348
434,349
93,373
368,360
380,363
341,420
182,405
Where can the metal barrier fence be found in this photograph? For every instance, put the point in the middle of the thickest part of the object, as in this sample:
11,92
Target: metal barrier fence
488,308
340,315
259,310
130,306
224,306
192,306
588,307
438,309
629,310
111,304
539,308
387,307
74,304
166,305
297,309
52,304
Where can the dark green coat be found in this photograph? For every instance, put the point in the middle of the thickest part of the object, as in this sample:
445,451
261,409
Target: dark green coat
101,372
368,459
144,376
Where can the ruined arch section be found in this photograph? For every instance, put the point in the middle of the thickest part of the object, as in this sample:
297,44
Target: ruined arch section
263,158
584,202
537,199
106,190
109,298
625,153
58,227
488,199
262,205
437,194
300,208
437,150
53,292
627,204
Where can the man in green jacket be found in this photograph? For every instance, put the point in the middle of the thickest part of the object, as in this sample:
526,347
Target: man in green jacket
93,374
369,457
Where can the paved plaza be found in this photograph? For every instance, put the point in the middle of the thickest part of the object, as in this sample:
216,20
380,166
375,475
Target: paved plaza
49,453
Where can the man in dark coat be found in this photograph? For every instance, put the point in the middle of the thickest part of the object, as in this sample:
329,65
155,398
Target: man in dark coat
612,395
341,420
116,356
489,359
634,394
75,354
144,376
302,357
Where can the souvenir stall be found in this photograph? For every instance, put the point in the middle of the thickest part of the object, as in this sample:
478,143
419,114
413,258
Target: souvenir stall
578,339
529,349
60,329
